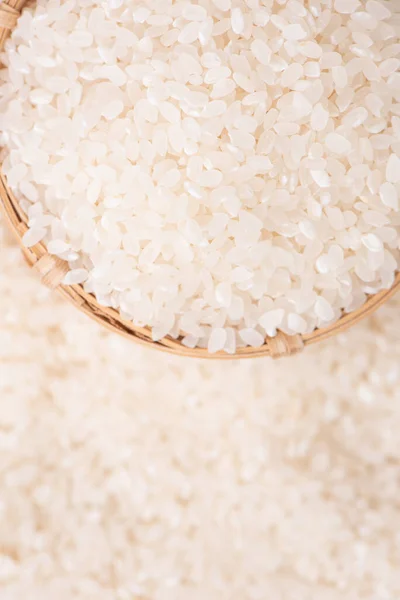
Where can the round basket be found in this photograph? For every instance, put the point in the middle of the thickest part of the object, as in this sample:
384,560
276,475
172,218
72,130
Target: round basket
52,271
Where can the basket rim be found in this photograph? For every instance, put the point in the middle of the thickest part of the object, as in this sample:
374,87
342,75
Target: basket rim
112,319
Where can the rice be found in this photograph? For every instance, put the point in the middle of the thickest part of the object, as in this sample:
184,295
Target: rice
214,170
213,480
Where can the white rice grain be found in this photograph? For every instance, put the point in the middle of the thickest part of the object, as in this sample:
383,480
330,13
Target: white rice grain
216,170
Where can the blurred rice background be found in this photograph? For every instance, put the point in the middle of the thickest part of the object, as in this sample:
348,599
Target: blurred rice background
127,474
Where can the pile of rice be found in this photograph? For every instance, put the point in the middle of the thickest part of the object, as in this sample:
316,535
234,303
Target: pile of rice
217,169
214,480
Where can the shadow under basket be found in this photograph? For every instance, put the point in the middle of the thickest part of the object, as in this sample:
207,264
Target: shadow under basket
52,271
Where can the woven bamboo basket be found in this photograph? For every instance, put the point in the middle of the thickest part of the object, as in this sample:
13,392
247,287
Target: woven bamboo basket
52,271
